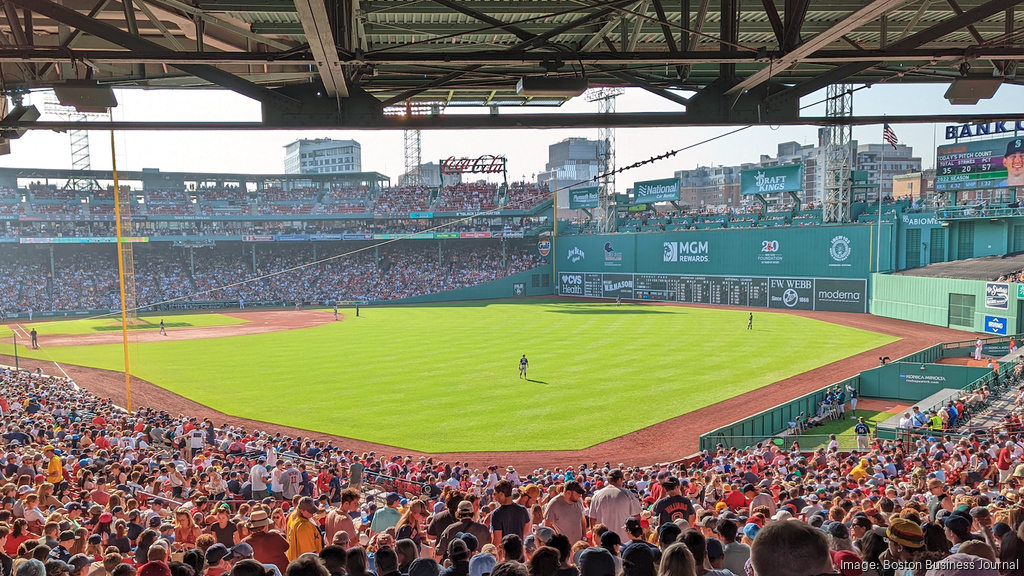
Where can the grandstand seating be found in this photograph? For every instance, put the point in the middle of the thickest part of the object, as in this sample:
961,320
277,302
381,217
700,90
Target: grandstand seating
87,279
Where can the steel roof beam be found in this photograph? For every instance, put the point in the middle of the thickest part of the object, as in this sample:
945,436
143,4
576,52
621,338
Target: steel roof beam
838,30
124,39
317,28
529,121
519,47
50,54
914,41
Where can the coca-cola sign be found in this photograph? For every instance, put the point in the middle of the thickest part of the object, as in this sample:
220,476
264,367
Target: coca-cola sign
486,164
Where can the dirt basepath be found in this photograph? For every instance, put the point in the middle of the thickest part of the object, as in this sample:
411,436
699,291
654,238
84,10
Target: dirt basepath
661,442
258,322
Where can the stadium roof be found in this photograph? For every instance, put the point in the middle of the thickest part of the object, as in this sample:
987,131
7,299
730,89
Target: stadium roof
337,63
984,268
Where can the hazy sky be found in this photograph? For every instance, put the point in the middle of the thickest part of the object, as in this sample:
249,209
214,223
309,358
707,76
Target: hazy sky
526,150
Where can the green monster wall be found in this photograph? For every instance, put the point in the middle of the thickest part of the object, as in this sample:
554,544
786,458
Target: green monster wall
806,268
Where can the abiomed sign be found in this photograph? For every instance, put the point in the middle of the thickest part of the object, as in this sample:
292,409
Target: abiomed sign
665,190
786,178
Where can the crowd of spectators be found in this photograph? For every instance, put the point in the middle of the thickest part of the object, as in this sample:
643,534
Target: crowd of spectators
92,490
405,199
86,279
469,197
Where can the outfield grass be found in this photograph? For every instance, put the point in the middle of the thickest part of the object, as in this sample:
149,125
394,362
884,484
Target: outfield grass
113,323
5,332
445,378
818,437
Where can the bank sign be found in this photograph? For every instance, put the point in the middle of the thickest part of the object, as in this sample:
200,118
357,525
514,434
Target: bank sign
786,178
583,198
665,190
969,130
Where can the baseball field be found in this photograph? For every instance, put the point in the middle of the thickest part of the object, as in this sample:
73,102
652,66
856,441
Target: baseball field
444,378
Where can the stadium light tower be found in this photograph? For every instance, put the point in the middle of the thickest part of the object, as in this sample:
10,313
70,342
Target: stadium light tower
605,98
80,158
838,155
413,141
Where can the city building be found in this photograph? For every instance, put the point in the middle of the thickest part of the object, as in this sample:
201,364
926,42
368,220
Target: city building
570,162
710,186
323,156
882,163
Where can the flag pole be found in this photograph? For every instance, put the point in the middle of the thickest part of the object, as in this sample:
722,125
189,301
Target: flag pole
881,178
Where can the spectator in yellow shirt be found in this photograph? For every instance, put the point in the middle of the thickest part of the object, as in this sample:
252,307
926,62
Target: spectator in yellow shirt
55,468
303,534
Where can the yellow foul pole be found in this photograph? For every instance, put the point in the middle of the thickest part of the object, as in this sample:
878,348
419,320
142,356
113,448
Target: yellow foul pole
120,269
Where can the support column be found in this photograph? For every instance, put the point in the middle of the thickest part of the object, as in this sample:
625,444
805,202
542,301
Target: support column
192,261
53,273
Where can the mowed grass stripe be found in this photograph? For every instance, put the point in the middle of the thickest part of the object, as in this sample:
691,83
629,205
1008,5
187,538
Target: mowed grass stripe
445,378
113,323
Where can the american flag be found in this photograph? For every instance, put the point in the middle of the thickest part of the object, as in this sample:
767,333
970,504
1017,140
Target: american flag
890,136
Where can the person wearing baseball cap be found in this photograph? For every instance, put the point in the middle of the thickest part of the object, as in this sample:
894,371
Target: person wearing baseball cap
565,512
464,524
303,534
674,505
388,516
218,558
1013,161
612,504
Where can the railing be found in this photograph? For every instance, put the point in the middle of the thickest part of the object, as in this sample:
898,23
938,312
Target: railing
771,422
962,212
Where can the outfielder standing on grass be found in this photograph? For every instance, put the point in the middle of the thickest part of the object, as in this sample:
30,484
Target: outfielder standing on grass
862,431
523,365
335,312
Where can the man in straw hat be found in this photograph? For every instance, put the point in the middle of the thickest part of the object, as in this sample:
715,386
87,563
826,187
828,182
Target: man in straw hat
268,547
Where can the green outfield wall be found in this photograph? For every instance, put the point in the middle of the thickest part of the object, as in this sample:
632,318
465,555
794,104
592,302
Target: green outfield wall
973,305
802,268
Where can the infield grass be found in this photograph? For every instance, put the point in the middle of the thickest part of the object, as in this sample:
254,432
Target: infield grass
113,323
444,378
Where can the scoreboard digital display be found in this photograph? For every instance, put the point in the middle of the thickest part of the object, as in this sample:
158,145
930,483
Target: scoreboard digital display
720,290
981,165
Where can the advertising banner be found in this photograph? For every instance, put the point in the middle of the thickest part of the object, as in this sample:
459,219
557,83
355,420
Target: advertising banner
292,237
980,165
824,294
417,215
583,198
841,295
771,180
258,238
664,190
613,253
357,236
474,234
519,289
996,325
617,286
446,234
324,237
94,240
825,252
997,295
791,293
